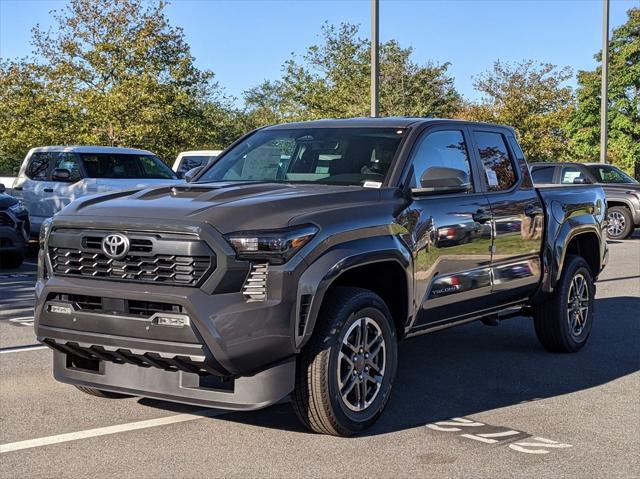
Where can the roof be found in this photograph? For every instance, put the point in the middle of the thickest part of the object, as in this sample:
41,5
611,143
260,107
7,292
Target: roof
369,122
91,149
200,152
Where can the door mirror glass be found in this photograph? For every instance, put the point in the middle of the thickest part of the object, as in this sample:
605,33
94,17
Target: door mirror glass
441,179
192,173
61,174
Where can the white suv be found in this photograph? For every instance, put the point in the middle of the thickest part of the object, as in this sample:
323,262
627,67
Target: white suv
53,176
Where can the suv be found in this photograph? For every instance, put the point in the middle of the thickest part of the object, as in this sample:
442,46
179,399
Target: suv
263,278
622,191
52,176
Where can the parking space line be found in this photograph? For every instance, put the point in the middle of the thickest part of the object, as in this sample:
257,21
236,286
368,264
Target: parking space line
20,349
103,431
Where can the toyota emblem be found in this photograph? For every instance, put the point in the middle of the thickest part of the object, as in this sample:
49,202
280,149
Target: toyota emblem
115,246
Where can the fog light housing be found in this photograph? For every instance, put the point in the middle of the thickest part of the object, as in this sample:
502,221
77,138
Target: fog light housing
171,320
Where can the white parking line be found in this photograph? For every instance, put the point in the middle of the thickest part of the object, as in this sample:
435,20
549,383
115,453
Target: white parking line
103,431
21,349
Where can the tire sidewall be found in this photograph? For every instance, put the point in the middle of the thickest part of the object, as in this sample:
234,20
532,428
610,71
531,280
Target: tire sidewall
370,306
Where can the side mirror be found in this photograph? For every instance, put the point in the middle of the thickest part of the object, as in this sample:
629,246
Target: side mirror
441,180
581,181
2,188
192,173
61,174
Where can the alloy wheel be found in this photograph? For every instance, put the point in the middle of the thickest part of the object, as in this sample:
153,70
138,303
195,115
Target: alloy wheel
617,223
578,305
361,364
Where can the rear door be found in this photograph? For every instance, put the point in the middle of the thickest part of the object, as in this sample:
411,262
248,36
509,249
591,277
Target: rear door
64,192
518,217
450,233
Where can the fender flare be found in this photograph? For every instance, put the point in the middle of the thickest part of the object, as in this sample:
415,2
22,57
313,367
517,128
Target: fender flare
321,274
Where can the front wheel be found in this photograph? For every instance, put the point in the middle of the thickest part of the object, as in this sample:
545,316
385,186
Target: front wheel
563,322
345,373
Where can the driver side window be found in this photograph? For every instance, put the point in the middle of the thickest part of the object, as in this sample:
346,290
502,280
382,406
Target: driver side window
441,149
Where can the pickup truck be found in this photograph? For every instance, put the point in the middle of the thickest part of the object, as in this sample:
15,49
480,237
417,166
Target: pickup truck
14,230
260,279
51,177
622,191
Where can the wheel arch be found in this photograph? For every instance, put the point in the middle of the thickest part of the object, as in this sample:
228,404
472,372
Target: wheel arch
359,263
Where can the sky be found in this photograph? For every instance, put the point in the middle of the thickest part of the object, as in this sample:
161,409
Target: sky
246,41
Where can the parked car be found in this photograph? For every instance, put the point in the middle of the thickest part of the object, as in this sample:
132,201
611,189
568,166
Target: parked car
622,191
53,176
256,281
14,230
187,160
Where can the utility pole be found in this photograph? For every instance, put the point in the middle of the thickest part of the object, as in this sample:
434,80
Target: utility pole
375,59
604,103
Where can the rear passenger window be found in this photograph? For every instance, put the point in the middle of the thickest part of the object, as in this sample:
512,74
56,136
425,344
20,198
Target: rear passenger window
38,168
445,148
498,167
543,174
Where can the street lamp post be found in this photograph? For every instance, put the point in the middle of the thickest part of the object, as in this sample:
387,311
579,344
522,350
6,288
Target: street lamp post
604,104
375,59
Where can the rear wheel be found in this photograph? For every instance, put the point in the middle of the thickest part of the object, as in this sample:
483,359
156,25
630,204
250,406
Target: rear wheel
620,222
345,373
102,394
563,322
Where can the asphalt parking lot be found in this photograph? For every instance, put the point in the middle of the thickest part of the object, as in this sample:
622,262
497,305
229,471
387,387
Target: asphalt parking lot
475,401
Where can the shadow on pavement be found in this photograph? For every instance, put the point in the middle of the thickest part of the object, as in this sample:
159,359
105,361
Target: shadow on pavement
475,368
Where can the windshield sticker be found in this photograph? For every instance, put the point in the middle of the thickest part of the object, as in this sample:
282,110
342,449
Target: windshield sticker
492,178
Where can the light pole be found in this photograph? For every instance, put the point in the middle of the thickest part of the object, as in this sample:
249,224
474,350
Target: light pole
604,104
375,59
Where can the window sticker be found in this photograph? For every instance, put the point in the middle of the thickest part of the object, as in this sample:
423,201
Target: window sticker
492,178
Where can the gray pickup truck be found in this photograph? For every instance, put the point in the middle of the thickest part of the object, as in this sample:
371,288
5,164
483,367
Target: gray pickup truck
296,262
622,191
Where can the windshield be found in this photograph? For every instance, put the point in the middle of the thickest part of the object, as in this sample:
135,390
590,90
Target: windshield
338,156
109,165
610,174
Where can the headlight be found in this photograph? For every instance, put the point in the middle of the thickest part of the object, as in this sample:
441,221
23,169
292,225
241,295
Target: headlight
276,246
18,208
45,227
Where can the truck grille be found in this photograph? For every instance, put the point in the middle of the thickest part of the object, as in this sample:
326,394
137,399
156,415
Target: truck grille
129,307
152,258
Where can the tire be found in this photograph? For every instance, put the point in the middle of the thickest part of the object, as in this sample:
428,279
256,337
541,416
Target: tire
102,394
557,323
13,260
620,222
317,397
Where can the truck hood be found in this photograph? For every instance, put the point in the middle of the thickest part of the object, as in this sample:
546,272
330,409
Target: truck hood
228,207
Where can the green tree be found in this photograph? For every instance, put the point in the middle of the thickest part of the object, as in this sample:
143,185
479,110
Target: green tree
533,98
332,79
624,102
112,73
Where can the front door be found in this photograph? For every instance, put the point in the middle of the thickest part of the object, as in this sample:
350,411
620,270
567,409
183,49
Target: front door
450,234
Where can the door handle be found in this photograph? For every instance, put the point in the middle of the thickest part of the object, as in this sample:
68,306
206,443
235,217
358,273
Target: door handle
48,190
533,210
481,216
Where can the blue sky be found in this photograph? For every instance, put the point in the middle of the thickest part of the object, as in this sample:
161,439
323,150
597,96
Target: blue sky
245,42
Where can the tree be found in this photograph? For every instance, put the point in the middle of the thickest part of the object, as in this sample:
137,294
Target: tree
624,102
533,98
113,73
332,79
